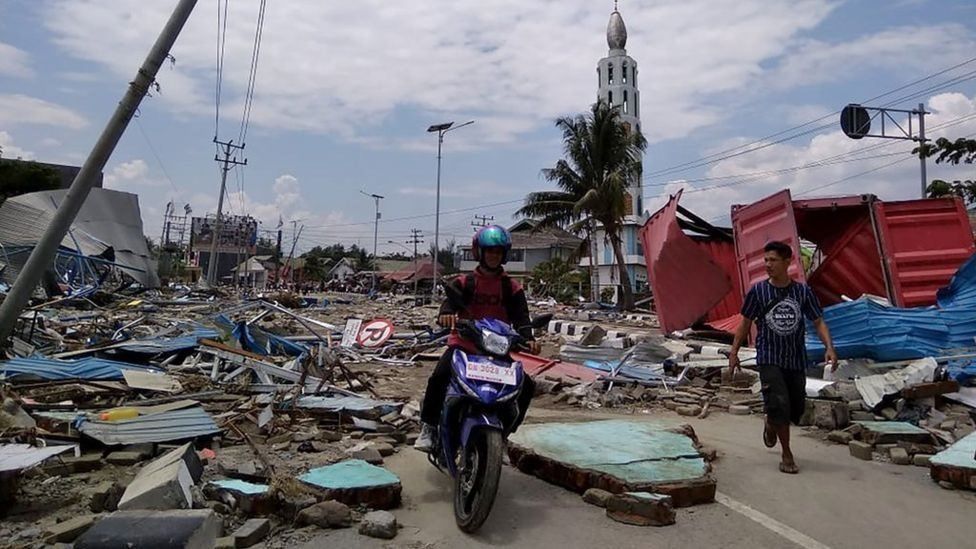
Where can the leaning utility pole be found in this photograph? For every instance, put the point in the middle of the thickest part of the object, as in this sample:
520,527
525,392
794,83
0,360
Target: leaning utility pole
416,237
44,252
228,162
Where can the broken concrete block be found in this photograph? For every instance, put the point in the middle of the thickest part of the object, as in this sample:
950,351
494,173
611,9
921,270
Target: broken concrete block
641,509
251,532
71,465
160,489
105,497
921,460
188,529
861,450
328,514
840,437
379,524
596,496
692,410
887,432
369,455
862,416
125,458
889,413
385,449
249,498
830,414
69,530
356,482
926,390
184,453
226,542
594,335
956,465
740,410
899,456
330,436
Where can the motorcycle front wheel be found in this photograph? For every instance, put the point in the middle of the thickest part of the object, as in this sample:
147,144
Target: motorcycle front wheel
476,482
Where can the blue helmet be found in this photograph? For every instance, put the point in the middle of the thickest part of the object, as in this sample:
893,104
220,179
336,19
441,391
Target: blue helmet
492,236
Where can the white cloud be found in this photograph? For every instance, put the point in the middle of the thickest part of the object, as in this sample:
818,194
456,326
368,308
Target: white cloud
9,149
513,67
953,115
132,176
14,62
18,109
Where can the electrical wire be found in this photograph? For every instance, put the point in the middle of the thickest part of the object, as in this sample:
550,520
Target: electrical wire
221,41
252,77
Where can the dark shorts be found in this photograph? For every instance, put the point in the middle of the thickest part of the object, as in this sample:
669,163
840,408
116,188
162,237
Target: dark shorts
784,393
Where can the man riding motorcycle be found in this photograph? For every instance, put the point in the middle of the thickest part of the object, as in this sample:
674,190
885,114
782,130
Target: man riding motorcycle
488,293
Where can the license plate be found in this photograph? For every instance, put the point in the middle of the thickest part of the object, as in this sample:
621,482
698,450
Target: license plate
487,371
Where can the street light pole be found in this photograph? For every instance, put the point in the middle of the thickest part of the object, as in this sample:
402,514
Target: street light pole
376,228
441,129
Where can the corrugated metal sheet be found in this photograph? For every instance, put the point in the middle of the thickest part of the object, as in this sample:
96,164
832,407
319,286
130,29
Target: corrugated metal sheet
723,254
685,281
757,224
15,457
91,369
159,345
342,403
854,267
182,424
925,241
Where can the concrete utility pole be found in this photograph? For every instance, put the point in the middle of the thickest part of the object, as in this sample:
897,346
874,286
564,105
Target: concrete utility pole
229,148
376,229
44,253
440,129
482,221
416,237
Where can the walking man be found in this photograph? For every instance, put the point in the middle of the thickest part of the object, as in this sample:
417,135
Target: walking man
779,306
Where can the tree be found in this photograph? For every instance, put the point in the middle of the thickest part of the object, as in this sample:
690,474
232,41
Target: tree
602,155
556,278
445,257
19,177
961,150
315,268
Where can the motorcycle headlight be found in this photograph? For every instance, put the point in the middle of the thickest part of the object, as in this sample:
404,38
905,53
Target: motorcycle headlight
494,343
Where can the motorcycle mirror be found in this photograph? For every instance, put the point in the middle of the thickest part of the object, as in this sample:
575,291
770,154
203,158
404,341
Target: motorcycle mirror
541,321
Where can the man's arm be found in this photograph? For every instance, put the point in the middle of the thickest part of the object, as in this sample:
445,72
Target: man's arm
740,337
830,356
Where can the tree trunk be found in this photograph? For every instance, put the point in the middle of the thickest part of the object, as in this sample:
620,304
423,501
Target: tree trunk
626,292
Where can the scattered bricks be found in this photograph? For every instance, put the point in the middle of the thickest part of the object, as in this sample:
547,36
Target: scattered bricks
288,506
125,458
69,530
855,429
926,390
371,456
840,437
190,529
739,410
596,496
330,436
899,456
384,448
948,425
889,413
861,450
379,524
669,404
921,460
918,448
328,514
160,489
251,532
412,438
641,509
303,436
105,497
691,411
862,416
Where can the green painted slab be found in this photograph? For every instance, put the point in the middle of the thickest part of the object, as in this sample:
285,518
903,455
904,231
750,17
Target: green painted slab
892,427
354,473
960,454
635,452
241,486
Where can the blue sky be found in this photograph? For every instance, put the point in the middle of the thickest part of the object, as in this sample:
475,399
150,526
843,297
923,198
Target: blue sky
345,92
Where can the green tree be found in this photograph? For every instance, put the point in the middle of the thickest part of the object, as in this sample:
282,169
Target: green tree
445,257
18,177
602,155
556,278
315,268
960,151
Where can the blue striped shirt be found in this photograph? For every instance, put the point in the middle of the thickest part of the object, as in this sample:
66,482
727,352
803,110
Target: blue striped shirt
782,327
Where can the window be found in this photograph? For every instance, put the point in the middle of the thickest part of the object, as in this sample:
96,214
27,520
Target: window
466,255
610,74
610,98
624,74
633,75
636,103
516,256
599,78
626,105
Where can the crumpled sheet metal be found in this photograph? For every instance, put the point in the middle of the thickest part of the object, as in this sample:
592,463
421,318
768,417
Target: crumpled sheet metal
874,388
89,369
166,426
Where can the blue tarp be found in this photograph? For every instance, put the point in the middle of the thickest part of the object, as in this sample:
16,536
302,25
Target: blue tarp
259,341
90,368
159,345
865,329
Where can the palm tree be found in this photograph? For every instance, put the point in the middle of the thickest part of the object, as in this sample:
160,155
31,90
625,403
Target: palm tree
602,155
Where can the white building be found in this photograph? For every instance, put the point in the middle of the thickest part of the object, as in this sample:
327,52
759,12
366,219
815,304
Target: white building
617,74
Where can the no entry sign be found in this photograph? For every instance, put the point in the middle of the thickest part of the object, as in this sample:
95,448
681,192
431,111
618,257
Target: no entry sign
375,332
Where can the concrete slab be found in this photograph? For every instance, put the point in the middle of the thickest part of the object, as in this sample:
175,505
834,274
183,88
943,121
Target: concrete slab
250,499
889,432
355,482
184,453
160,489
616,456
186,529
956,464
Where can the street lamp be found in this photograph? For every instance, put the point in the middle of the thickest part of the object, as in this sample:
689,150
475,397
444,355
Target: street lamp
440,129
376,227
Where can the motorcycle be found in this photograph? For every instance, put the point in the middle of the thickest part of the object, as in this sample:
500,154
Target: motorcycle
479,413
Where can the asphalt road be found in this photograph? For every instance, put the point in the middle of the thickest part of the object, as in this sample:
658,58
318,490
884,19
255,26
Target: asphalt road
836,501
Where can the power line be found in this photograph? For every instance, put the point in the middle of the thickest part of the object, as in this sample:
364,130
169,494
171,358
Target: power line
221,40
156,155
252,77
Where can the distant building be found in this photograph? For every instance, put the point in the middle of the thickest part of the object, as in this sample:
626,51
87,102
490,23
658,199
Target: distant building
530,247
342,270
67,173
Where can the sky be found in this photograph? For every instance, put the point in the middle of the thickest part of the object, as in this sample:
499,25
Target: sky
344,93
